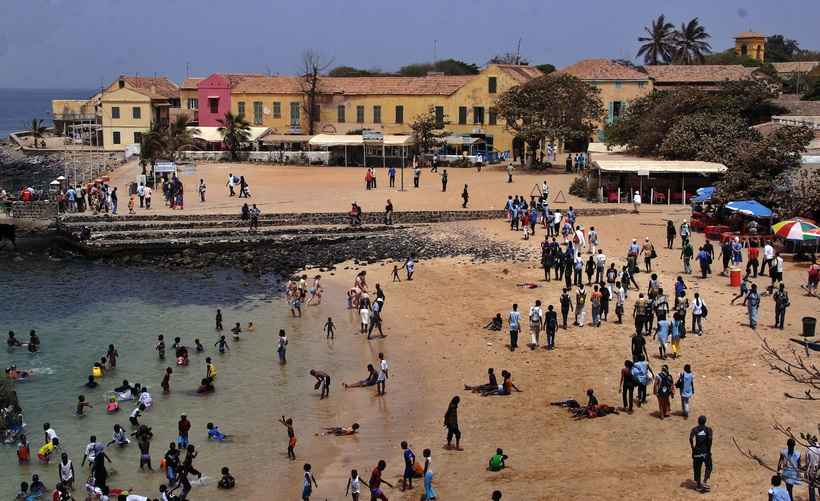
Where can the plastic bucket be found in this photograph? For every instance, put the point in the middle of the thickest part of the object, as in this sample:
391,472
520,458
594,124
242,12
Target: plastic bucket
734,276
809,324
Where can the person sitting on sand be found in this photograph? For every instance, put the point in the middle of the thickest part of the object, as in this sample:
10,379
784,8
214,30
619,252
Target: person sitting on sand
503,389
227,481
495,324
497,461
338,431
372,378
485,387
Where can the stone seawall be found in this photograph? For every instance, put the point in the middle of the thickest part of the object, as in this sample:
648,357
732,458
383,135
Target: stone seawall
41,209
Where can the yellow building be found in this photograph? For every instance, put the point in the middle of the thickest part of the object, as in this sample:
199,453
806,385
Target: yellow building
130,105
189,97
617,83
751,44
68,112
387,104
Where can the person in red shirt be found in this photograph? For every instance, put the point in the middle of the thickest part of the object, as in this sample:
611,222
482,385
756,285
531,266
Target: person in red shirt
184,426
376,481
753,262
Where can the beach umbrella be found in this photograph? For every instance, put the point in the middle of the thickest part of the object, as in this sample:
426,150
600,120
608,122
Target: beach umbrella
813,231
794,230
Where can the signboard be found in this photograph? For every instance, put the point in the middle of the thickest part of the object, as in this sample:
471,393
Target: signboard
294,130
643,173
372,136
163,167
187,170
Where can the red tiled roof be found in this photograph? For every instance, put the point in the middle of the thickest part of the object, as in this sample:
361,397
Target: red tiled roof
160,86
521,73
148,93
237,78
697,73
190,83
797,107
750,34
795,66
432,85
602,69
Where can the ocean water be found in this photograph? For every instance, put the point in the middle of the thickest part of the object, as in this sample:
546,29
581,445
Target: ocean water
18,107
79,308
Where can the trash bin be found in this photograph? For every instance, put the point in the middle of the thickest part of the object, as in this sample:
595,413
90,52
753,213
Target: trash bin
734,276
809,323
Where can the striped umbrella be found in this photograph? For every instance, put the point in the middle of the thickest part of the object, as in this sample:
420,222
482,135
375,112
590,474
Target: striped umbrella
795,230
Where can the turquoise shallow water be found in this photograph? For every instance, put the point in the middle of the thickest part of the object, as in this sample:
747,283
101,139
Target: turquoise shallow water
78,309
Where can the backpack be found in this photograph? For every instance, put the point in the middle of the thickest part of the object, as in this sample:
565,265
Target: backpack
535,317
665,386
552,323
595,302
582,297
235,179
611,275
654,288
565,301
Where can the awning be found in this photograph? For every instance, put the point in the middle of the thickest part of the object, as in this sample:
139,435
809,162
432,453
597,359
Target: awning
356,140
462,140
212,135
285,138
704,194
750,207
659,166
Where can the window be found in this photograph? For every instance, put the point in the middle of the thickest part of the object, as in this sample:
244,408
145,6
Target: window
618,85
641,85
593,84
377,114
137,137
462,114
360,114
136,112
277,109
213,104
115,112
478,114
439,113
294,113
492,85
399,114
121,84
340,113
240,108
116,137
617,109
493,119
257,112
193,103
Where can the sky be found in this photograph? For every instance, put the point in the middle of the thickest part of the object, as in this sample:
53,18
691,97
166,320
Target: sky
89,43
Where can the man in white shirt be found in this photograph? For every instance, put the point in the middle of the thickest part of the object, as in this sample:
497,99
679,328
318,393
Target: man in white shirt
636,202
768,257
141,193
536,323
600,266
147,192
382,380
231,184
776,269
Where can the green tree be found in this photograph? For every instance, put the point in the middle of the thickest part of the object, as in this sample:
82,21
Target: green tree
659,46
812,94
556,106
780,49
546,68
731,56
234,130
690,44
348,71
446,66
153,147
180,136
509,58
428,130
36,130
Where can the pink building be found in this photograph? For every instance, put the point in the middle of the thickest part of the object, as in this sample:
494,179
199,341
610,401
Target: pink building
214,95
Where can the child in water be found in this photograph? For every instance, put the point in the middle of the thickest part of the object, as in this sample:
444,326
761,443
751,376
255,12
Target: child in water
223,345
219,320
236,330
166,380
113,406
291,436
199,347
82,403
330,328
351,293
161,346
119,436
213,432
112,356
250,326
227,481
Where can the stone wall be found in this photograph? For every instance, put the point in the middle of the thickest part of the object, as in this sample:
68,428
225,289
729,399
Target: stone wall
34,210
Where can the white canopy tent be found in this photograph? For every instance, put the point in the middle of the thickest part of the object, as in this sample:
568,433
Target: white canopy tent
212,135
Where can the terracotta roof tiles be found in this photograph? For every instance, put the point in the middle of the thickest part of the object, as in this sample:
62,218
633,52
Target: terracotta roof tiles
602,69
161,86
237,78
795,66
432,85
521,73
697,73
750,34
190,83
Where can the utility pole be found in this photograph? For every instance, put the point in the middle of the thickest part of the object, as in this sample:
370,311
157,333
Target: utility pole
518,53
186,70
435,42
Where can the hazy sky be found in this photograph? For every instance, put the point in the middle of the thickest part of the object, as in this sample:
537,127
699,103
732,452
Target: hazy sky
78,43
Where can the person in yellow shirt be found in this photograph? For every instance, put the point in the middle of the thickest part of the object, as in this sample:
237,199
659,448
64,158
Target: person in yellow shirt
45,451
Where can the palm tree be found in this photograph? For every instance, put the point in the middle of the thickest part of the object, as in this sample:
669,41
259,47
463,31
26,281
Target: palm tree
181,136
690,47
36,130
659,47
235,130
154,145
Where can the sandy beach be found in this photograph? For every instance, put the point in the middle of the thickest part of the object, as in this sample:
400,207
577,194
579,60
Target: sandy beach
435,345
